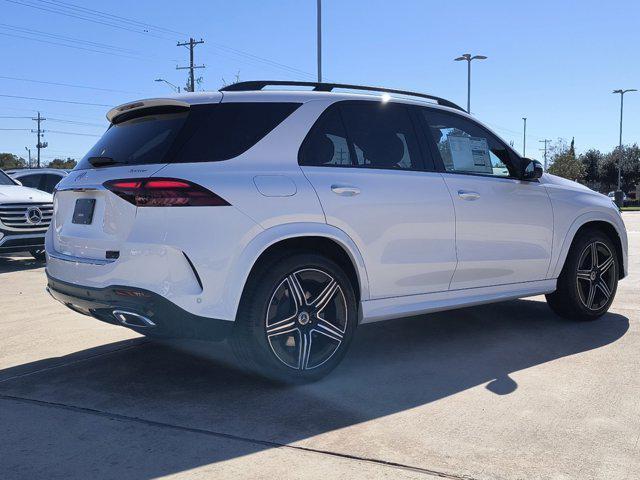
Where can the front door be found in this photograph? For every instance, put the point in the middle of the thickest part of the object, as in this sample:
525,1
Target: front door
504,225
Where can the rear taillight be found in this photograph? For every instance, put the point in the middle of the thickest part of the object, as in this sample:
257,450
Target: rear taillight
164,192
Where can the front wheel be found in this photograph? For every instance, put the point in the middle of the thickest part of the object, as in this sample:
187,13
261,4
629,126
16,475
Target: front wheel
589,278
296,318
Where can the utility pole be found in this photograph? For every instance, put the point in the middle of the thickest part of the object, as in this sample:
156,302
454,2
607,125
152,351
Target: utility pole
319,39
191,44
40,144
524,138
545,141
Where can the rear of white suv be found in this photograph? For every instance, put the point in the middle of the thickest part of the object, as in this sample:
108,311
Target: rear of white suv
281,220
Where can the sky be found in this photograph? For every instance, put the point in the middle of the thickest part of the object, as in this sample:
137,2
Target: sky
554,62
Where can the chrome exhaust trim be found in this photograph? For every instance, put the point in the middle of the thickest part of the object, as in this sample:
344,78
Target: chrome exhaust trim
131,319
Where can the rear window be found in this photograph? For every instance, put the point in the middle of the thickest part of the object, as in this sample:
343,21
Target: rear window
205,133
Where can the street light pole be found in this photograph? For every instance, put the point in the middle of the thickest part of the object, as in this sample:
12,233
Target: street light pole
621,92
469,58
29,151
175,87
524,138
319,38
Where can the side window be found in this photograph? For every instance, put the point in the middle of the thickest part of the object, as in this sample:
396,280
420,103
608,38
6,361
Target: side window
327,142
31,181
363,134
382,135
49,182
466,147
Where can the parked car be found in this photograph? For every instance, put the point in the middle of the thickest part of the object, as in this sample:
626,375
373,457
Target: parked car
25,214
44,179
282,220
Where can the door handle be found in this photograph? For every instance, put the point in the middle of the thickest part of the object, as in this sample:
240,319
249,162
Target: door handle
467,195
345,190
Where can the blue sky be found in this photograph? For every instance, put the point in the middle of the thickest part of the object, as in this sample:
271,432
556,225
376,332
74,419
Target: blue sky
554,62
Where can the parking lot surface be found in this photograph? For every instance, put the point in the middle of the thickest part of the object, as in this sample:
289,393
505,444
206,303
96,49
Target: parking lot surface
504,391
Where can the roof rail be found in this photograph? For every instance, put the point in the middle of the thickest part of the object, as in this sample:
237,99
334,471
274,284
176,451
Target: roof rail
328,87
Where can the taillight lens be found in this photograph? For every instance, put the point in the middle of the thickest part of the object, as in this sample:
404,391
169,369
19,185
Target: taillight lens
164,192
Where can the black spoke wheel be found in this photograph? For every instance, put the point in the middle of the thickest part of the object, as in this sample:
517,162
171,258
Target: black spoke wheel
595,276
296,319
589,279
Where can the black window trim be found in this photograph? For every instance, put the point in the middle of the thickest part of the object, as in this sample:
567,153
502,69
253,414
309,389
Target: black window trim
423,154
439,163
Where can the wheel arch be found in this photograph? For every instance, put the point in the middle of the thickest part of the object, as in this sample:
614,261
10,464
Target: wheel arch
321,238
615,232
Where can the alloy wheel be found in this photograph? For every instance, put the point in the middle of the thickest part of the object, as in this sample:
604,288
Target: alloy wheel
306,319
596,275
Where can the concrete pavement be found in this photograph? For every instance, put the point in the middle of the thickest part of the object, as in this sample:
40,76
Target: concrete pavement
505,391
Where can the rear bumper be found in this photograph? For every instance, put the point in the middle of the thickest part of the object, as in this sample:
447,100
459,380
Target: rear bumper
144,312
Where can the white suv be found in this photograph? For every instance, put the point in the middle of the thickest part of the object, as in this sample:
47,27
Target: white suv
282,220
25,214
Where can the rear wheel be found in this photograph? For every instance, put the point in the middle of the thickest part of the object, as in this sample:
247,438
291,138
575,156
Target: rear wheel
589,279
296,318
38,254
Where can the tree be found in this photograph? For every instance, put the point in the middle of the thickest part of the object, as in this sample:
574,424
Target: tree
591,160
564,161
608,168
9,161
60,163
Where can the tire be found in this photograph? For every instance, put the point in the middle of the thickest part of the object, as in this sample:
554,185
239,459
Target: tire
301,303
586,289
38,254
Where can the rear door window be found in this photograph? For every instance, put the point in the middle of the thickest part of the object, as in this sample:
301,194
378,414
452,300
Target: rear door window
365,135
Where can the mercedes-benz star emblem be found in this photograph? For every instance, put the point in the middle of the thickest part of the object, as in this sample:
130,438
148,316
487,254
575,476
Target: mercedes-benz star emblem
34,215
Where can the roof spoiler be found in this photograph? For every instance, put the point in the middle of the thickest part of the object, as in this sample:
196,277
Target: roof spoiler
114,113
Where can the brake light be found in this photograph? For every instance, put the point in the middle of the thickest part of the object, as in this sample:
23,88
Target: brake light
164,192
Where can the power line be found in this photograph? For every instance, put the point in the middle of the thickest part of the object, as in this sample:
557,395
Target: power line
56,100
87,12
57,36
90,46
109,15
80,17
73,122
66,85
74,133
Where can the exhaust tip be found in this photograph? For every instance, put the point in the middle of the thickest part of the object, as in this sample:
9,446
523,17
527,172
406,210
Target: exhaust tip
131,319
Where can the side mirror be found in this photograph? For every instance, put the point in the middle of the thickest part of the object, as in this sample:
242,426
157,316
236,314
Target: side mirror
17,181
531,169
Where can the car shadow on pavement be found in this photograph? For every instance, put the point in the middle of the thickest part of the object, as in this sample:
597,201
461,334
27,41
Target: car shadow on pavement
391,367
16,263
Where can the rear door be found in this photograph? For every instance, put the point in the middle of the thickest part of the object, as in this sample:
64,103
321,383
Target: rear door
504,225
366,165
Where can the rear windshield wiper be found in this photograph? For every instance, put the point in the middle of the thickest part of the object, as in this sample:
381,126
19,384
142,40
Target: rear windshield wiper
102,161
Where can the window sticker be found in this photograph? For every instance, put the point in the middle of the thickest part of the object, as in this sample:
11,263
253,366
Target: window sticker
470,154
